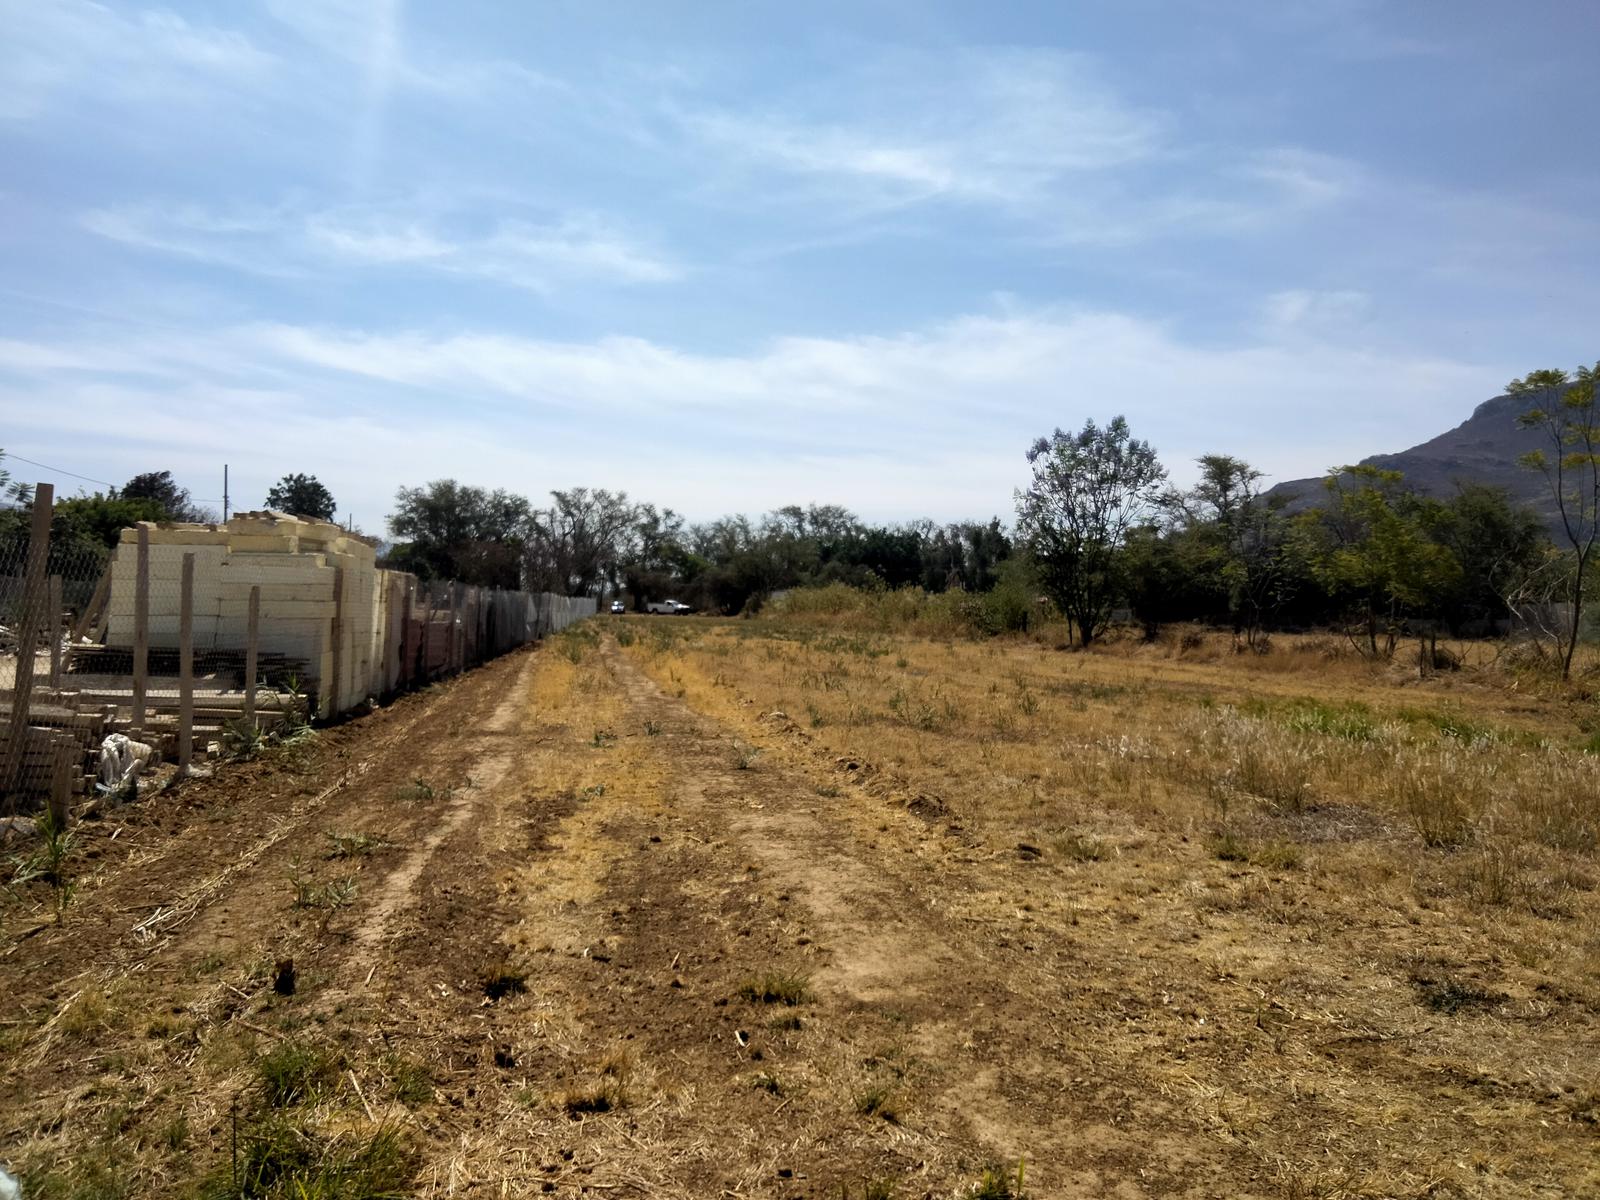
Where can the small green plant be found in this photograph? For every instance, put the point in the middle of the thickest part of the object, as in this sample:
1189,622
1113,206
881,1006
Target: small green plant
353,845
602,738
417,789
308,893
776,987
998,1183
296,1072
283,1157
242,740
409,1081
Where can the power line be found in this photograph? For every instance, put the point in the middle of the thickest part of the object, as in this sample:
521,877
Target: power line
87,479
59,470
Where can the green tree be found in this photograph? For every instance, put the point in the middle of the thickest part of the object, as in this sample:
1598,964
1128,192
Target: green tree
302,496
1089,489
1236,541
1372,547
450,530
159,486
1566,413
13,492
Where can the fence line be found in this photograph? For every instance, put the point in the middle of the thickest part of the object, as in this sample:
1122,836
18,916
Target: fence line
184,630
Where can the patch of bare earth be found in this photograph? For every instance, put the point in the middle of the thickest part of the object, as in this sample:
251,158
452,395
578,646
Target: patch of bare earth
606,921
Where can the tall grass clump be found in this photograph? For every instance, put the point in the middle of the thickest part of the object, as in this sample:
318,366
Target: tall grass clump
1261,759
1443,793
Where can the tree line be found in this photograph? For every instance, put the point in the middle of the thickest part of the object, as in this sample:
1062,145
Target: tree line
590,541
1099,533
1105,532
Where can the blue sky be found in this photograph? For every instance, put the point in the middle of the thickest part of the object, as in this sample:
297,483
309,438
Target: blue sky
731,256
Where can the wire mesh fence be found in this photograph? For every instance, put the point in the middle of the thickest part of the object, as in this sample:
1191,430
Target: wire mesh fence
184,636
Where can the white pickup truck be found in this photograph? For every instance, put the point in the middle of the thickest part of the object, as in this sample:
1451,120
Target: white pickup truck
669,608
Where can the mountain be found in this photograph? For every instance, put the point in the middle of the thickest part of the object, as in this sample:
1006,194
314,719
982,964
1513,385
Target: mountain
1482,449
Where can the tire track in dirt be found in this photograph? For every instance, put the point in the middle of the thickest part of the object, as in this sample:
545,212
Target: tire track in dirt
490,757
1007,1019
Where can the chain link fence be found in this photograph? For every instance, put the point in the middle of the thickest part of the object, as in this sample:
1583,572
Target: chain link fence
186,638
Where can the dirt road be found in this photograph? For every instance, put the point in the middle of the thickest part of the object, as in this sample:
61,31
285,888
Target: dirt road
571,936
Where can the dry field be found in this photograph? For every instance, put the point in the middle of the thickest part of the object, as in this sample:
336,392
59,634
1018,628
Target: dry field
771,908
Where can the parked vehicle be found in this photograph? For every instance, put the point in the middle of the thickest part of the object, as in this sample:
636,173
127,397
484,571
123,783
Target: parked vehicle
617,606
670,608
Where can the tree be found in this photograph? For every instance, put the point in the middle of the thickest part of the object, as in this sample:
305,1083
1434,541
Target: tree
1568,414
1089,489
160,487
13,492
1237,540
577,545
450,530
1372,546
302,496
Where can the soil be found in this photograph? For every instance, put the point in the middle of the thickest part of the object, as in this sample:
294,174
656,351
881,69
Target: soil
541,969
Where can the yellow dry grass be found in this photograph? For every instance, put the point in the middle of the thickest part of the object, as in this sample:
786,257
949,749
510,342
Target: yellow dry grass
1365,901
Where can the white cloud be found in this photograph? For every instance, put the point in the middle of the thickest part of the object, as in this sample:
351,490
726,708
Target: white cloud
77,50
292,240
933,420
993,126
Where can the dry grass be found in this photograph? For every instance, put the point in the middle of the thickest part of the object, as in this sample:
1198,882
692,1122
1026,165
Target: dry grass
1300,835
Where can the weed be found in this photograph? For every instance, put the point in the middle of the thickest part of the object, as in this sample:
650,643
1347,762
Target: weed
604,1096
308,893
744,757
417,789
602,738
652,728
764,1082
500,979
242,740
279,1157
1230,848
998,1183
776,988
296,1072
1078,848
353,845
878,1101
409,1081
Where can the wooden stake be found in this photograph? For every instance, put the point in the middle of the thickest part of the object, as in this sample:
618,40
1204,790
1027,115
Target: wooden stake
186,665
44,499
97,605
54,624
252,646
141,627
336,632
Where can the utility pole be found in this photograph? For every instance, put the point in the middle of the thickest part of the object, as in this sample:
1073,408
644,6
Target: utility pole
224,493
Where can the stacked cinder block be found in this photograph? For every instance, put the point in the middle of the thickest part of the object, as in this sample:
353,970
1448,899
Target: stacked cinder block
293,561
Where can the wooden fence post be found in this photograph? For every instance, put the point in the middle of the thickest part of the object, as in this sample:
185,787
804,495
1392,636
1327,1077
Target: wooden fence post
54,614
336,632
408,588
186,665
453,605
44,497
141,627
252,647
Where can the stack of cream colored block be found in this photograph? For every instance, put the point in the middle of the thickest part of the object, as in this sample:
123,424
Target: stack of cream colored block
292,561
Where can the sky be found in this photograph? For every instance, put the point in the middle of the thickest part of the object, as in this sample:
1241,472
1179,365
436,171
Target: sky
730,256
